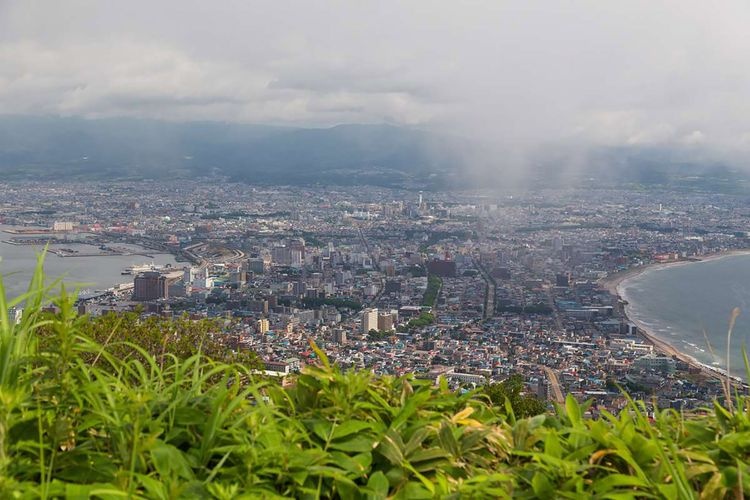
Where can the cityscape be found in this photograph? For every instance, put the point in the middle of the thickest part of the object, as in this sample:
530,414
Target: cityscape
472,286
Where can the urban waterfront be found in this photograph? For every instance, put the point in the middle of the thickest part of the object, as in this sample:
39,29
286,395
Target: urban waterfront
689,305
17,264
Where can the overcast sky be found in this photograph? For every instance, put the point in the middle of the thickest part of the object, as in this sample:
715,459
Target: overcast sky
598,72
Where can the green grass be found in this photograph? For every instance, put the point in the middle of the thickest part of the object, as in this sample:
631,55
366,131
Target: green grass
81,418
433,289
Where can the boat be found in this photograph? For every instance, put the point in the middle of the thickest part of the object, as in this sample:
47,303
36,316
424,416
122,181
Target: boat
141,268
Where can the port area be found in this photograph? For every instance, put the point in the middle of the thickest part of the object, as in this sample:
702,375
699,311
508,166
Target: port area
67,251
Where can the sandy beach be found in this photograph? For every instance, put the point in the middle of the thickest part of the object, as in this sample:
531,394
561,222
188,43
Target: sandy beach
614,282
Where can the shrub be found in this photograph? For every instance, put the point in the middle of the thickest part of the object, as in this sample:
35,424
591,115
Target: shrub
85,419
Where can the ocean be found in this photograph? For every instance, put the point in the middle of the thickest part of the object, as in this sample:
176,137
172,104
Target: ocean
17,263
689,306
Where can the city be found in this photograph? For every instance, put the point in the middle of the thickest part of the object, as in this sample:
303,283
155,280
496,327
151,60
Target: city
473,286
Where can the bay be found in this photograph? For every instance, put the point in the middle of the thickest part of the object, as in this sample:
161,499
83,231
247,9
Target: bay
689,305
17,264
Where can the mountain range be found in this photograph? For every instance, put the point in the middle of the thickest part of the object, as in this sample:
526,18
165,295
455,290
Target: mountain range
33,147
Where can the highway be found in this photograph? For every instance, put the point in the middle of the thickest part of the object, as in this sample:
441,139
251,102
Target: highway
489,294
555,384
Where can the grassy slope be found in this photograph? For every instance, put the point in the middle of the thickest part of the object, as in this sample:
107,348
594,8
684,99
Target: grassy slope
154,428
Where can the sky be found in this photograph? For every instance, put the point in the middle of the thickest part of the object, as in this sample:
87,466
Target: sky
523,72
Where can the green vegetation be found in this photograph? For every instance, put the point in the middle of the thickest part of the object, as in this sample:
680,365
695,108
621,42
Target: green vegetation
376,335
511,390
154,336
424,319
416,271
81,418
338,302
433,289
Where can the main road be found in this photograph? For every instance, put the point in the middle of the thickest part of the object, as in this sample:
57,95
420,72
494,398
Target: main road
489,294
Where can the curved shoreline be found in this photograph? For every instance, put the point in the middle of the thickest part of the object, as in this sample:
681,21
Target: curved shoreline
614,284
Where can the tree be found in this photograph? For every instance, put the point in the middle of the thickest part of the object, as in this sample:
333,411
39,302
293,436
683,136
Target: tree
158,336
511,389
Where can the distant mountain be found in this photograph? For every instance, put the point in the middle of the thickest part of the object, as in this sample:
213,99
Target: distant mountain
128,148
110,149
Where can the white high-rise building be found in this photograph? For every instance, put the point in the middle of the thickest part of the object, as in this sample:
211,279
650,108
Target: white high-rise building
369,320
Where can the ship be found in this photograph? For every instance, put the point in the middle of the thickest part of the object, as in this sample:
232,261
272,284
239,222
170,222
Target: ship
140,268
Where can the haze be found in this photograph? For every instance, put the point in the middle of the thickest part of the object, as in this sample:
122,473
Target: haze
516,72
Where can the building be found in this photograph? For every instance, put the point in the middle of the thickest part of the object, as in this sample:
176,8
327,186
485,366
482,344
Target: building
62,226
339,336
150,285
385,322
256,265
369,320
443,268
263,325
562,279
662,364
277,368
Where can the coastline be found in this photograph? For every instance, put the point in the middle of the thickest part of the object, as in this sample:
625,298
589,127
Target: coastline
614,285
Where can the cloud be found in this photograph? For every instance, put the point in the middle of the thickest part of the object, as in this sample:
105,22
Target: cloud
514,73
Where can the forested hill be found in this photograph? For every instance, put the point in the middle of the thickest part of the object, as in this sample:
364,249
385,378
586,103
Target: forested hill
128,148
386,155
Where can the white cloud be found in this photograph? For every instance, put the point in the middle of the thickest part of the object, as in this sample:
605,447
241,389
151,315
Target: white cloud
516,72
694,138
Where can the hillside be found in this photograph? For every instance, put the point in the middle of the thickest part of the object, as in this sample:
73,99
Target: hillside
80,419
78,149
109,149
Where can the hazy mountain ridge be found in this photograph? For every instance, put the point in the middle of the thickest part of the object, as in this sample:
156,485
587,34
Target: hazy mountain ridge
108,149
115,148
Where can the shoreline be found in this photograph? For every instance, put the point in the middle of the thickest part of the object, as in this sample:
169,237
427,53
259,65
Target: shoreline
613,284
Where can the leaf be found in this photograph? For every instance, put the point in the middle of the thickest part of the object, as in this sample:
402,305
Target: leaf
86,491
448,440
357,444
552,445
390,447
414,491
378,484
186,415
616,481
542,486
321,355
572,410
350,427
169,460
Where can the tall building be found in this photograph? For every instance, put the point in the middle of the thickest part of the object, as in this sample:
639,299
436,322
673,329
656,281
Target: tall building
150,285
369,320
281,256
263,325
385,322
444,268
339,336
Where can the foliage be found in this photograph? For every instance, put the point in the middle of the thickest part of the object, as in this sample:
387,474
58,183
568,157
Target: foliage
433,288
129,427
157,336
424,319
338,302
512,391
375,335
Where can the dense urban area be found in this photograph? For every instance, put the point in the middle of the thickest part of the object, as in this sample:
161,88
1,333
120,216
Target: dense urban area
472,286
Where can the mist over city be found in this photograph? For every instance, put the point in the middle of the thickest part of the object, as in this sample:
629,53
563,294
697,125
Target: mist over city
374,249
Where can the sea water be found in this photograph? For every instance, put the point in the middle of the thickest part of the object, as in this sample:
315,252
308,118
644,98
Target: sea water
689,305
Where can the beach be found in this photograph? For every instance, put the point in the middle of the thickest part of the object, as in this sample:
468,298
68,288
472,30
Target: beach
614,284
